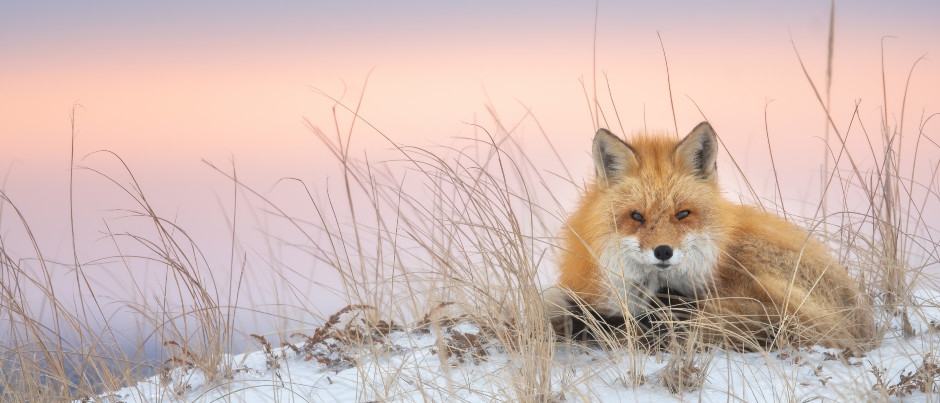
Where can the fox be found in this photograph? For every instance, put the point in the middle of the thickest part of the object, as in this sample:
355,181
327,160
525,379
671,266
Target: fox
655,221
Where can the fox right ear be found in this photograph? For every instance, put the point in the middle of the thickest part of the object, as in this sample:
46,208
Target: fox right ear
699,150
612,157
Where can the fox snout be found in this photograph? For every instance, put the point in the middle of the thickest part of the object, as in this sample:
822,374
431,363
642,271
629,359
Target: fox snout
663,256
663,252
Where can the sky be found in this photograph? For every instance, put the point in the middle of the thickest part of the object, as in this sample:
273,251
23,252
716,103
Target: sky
166,86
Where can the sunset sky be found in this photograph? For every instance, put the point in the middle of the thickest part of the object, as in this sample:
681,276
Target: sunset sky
166,85
179,82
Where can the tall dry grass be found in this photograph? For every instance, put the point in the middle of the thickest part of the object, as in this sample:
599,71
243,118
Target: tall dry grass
62,341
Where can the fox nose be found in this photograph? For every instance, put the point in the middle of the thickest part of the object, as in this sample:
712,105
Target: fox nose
663,252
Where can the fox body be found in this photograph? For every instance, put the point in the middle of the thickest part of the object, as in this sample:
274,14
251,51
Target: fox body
654,219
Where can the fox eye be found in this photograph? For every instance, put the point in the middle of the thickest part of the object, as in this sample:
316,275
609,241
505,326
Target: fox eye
637,216
683,214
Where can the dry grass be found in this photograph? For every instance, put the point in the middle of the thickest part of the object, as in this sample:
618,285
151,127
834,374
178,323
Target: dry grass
467,231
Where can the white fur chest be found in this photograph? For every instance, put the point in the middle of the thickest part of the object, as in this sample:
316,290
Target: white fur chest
634,276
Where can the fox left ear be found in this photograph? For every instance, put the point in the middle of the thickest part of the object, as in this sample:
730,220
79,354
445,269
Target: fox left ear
699,151
613,158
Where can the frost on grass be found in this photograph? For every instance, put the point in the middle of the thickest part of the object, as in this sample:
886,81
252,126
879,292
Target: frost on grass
351,358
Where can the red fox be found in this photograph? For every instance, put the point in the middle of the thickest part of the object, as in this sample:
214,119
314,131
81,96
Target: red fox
654,219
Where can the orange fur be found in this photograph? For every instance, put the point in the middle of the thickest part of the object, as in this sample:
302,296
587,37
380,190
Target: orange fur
655,218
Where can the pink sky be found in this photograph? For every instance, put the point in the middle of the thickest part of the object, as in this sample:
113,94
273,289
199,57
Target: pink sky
179,83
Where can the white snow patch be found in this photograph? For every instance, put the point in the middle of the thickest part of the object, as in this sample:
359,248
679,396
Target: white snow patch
409,367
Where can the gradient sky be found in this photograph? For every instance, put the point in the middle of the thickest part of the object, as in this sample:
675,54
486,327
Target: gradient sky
165,85
179,82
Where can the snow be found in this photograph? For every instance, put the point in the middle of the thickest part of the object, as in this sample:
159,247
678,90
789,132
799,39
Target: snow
408,365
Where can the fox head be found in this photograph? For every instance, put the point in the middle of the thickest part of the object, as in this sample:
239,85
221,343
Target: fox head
655,210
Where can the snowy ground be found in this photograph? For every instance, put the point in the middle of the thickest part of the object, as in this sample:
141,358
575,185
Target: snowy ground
408,365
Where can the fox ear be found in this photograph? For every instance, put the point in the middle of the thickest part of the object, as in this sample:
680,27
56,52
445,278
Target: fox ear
699,150
612,157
